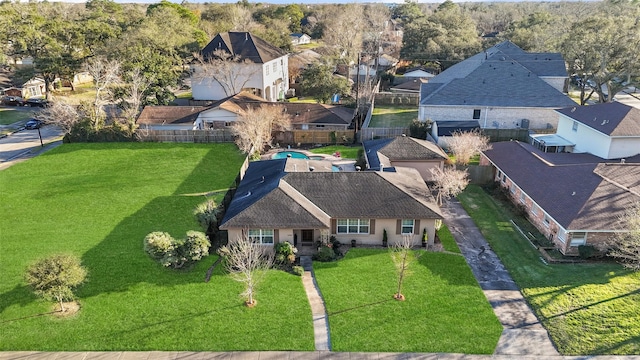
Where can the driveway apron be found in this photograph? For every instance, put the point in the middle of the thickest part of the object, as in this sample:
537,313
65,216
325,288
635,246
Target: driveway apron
523,333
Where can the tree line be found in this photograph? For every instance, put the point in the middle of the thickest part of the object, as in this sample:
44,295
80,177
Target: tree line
599,40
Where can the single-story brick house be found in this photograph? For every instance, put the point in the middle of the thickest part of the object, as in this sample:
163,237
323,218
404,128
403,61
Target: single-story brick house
404,151
278,202
572,199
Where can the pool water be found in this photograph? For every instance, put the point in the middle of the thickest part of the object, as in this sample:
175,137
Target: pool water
294,154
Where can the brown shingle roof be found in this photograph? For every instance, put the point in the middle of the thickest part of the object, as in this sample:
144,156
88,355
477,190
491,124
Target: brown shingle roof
613,119
568,187
244,45
169,114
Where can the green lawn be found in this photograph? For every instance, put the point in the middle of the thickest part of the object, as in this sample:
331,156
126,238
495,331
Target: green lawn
445,310
10,116
98,201
447,240
393,116
589,308
346,152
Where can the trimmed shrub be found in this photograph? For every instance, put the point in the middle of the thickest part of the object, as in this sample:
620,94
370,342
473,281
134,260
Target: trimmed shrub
588,252
176,253
285,253
325,254
297,270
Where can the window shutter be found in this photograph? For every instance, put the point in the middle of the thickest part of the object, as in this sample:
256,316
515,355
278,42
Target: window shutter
398,226
416,226
276,236
334,226
372,226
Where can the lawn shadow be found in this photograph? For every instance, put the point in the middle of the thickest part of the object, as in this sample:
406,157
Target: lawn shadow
119,262
359,307
451,268
586,306
19,295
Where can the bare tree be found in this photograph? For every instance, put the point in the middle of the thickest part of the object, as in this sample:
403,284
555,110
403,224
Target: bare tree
229,71
134,96
105,73
448,182
247,262
625,245
61,114
464,145
402,257
255,125
343,29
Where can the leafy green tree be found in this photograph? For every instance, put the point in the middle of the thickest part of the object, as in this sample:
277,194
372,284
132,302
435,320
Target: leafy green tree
408,12
603,51
540,31
55,277
448,35
319,82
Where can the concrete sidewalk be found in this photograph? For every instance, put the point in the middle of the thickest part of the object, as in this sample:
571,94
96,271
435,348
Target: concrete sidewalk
523,334
318,310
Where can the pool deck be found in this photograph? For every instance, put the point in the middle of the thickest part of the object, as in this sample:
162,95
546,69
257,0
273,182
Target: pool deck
343,164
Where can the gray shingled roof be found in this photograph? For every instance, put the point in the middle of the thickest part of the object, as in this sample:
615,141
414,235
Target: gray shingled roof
401,148
270,197
613,119
567,186
501,82
448,127
245,45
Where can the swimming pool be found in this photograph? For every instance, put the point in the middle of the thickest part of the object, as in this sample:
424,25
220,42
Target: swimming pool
294,154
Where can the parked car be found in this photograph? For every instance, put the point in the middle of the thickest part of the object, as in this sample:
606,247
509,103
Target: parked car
12,100
37,102
33,124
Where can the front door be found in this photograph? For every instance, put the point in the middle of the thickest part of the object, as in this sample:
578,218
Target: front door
307,237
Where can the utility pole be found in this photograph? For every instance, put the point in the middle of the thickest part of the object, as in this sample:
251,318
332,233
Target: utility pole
357,116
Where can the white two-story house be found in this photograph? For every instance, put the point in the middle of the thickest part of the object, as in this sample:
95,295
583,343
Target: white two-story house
239,61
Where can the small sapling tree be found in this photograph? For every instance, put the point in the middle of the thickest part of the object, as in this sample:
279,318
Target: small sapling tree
55,277
247,262
402,257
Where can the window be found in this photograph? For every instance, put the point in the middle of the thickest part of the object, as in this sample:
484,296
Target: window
534,209
228,123
275,67
575,126
266,69
353,226
499,175
545,221
407,226
261,236
476,114
513,190
522,196
578,238
504,177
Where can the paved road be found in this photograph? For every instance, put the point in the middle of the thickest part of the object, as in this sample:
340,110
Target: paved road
25,142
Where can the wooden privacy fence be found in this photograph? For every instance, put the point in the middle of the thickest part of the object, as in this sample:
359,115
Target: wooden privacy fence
397,99
194,136
294,137
382,133
496,135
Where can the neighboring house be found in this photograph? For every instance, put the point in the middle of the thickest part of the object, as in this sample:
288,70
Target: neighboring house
501,87
33,88
609,130
411,86
572,199
404,151
418,72
276,203
260,68
442,130
169,117
222,113
299,39
384,61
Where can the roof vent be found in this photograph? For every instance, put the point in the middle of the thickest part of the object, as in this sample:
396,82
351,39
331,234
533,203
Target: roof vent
358,168
573,193
604,122
404,135
311,168
622,161
573,109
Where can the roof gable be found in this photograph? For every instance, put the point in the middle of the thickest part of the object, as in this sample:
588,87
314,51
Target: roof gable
613,119
401,148
245,45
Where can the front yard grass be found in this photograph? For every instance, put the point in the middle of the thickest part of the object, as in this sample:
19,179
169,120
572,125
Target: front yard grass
588,308
9,116
346,152
98,201
445,309
386,116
